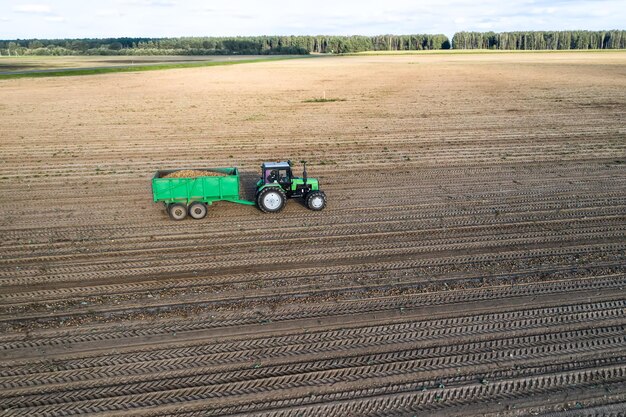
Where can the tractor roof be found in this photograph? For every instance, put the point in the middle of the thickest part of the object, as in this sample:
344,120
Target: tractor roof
277,165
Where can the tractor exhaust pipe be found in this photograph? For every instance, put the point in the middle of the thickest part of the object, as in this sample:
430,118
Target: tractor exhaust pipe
304,175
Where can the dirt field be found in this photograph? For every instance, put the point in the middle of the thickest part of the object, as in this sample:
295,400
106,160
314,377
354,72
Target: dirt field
471,260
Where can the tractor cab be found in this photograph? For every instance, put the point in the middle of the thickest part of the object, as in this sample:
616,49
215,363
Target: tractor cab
276,172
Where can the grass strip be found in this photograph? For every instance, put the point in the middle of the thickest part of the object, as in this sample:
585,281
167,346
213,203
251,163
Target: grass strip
70,72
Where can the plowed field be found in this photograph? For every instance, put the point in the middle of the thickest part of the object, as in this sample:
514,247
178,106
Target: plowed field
471,259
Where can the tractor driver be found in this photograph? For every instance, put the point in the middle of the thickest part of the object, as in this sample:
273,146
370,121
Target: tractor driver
273,177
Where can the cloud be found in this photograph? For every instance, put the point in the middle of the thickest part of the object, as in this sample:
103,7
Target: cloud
32,8
543,10
108,12
243,16
54,18
148,3
160,3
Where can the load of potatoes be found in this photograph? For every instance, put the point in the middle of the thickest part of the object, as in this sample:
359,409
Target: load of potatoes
193,173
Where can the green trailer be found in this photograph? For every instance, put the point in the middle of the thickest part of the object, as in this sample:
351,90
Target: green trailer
183,196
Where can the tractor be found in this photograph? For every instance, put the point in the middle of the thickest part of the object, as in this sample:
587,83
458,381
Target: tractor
278,183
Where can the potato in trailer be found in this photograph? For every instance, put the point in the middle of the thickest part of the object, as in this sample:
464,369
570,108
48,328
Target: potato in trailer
184,196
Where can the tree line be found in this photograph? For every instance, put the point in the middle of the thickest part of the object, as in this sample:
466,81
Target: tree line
253,45
292,45
561,40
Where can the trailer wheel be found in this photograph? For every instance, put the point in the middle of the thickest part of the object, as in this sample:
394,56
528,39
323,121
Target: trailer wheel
177,211
271,200
197,210
316,200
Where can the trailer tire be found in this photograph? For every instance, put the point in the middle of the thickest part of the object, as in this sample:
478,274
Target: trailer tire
271,200
177,211
197,210
316,200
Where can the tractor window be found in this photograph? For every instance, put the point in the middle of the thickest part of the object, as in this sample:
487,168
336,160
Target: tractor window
271,175
283,176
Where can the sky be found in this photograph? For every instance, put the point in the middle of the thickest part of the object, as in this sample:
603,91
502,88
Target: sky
173,18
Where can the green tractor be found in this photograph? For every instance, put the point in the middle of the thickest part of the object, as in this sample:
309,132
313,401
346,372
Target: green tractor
277,183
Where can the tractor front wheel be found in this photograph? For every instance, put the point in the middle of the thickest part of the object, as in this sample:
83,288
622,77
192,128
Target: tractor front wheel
271,199
177,211
316,200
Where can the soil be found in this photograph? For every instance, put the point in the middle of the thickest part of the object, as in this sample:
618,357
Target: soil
471,259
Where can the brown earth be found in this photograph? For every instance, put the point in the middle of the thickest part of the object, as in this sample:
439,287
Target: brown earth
471,259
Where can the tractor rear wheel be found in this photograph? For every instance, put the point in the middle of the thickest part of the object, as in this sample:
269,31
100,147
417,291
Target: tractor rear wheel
271,199
316,200
177,211
197,210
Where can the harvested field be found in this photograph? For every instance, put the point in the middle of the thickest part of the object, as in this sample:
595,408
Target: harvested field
471,260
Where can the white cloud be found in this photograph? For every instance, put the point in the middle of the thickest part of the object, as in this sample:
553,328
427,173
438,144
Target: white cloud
54,18
543,10
108,12
32,8
484,26
147,3
163,3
